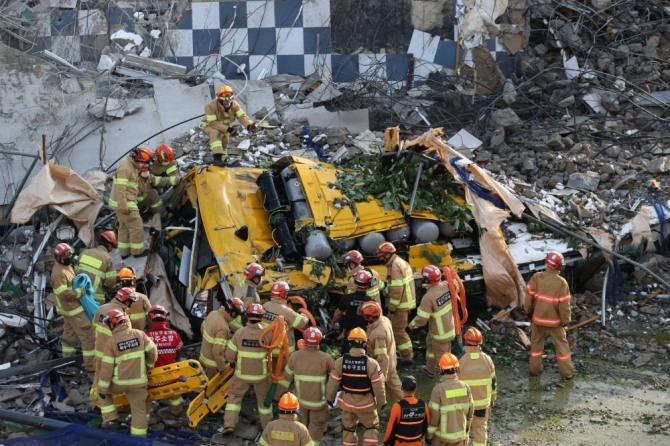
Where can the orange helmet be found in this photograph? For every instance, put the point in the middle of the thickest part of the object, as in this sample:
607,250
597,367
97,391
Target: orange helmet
448,361
431,274
164,153
62,252
385,248
357,335
279,290
141,154
363,279
255,312
288,403
126,296
253,270
312,336
126,274
233,306
109,237
554,260
158,313
371,310
472,336
114,318
225,92
352,256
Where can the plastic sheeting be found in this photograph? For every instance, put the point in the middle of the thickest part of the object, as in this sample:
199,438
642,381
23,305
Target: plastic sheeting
161,294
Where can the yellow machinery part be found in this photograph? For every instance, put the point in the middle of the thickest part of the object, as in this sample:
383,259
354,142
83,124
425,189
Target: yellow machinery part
212,398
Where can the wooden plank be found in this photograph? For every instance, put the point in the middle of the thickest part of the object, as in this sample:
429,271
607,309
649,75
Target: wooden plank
584,322
157,66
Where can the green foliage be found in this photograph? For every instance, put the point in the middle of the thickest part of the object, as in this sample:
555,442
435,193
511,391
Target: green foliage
434,258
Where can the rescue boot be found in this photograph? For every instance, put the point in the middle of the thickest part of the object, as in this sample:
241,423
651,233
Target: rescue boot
426,372
114,425
144,254
226,431
218,160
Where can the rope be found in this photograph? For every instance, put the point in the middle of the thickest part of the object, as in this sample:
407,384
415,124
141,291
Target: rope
279,339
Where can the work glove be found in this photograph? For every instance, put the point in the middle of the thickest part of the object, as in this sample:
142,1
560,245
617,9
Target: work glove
145,174
124,211
252,127
93,394
232,131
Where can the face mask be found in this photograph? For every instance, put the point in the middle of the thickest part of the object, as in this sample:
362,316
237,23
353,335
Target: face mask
67,261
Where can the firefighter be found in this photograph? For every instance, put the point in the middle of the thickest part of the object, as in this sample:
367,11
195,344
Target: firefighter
247,289
409,418
77,329
361,382
435,309
244,349
220,114
451,406
169,345
127,357
287,430
99,266
164,173
479,373
123,199
277,306
309,369
139,311
401,297
352,261
548,306
381,347
216,332
348,310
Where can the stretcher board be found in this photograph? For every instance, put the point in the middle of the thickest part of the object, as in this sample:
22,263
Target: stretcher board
212,398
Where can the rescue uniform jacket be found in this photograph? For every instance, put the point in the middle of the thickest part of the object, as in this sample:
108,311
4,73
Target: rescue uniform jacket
408,423
375,286
245,350
361,380
138,311
350,305
67,299
294,320
451,410
436,309
125,187
217,117
285,431
168,343
309,369
548,299
98,265
381,344
164,176
247,292
479,373
127,356
102,331
215,336
400,283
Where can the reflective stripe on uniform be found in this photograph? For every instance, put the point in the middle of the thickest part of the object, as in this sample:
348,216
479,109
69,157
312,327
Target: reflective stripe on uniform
206,361
299,379
409,303
484,382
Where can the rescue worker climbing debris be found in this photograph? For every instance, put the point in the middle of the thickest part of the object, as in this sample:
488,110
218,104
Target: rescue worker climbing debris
435,309
548,307
479,373
309,369
451,406
127,357
245,350
220,114
408,422
164,173
139,311
381,347
287,430
169,345
278,306
123,199
348,309
353,262
361,382
247,289
401,297
77,329
216,332
99,266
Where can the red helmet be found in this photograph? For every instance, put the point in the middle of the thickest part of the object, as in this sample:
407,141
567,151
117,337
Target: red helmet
352,256
114,318
363,279
554,260
126,274
141,154
253,270
109,237
126,296
312,336
225,92
233,306
255,312
164,153
472,336
431,274
158,313
385,248
279,290
371,311
288,402
62,252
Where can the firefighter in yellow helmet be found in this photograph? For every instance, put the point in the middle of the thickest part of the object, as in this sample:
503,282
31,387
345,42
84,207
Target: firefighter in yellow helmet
478,372
361,382
139,310
99,266
220,114
287,430
451,406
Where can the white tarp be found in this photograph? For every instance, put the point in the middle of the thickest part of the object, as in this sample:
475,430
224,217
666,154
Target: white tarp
479,14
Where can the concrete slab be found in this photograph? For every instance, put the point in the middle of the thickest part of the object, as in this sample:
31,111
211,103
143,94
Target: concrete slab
175,103
355,121
256,96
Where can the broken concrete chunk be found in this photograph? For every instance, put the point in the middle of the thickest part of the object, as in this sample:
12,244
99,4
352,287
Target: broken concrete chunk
505,118
71,85
659,165
106,63
586,181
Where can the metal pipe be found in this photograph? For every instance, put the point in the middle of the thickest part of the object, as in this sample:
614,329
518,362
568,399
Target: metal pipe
603,296
30,420
416,186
